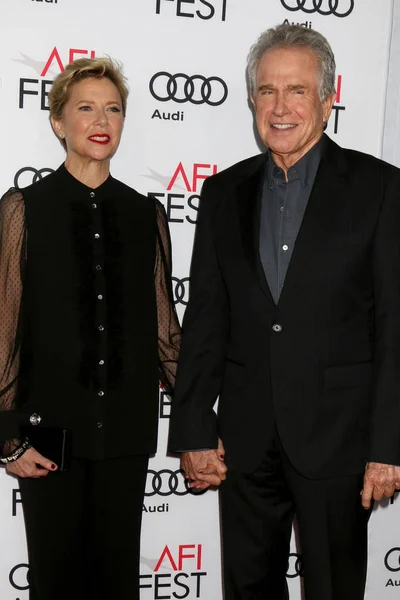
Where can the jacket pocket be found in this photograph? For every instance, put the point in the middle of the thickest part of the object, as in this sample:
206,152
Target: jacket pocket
234,373
353,375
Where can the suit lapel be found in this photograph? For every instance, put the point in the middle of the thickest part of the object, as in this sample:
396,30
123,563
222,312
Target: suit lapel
249,193
324,208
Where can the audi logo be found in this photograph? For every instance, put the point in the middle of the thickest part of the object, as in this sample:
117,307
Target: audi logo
15,577
295,566
181,290
392,560
195,89
21,180
338,8
168,483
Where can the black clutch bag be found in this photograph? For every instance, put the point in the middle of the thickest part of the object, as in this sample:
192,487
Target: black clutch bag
53,443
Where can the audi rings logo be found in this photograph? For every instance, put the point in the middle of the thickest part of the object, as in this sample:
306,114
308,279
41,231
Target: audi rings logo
19,577
195,89
392,560
295,566
168,483
181,290
338,8
28,175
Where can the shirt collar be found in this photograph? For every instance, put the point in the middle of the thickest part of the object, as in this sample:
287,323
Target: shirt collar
71,183
304,169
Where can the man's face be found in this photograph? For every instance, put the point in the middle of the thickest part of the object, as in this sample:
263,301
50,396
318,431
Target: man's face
289,113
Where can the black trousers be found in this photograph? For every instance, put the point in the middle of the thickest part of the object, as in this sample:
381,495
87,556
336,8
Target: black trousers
83,530
257,512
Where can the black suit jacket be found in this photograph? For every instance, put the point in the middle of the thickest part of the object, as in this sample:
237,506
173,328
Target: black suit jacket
329,377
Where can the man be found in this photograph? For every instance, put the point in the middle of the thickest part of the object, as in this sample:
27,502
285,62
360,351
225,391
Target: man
294,322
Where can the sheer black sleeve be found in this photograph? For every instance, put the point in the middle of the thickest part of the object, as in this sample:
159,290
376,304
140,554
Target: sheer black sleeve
12,262
169,331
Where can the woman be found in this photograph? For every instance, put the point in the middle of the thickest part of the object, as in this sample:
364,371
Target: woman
87,326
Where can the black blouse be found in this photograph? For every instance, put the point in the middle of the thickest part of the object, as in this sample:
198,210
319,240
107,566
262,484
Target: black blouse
88,324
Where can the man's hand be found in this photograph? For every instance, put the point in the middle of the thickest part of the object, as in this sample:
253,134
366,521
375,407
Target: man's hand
380,481
31,464
204,467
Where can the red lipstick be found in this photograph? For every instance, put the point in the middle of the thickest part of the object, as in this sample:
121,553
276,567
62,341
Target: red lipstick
100,138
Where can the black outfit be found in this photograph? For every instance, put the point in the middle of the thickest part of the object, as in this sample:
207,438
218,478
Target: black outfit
89,328
83,529
308,386
257,511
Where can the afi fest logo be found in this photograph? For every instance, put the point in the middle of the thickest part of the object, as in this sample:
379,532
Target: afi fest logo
193,9
39,87
165,404
392,564
337,107
338,8
182,207
16,502
183,576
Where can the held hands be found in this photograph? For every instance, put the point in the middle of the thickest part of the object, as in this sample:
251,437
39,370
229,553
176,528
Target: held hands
31,464
380,481
204,467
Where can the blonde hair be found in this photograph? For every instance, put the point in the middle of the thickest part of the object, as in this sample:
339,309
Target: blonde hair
78,70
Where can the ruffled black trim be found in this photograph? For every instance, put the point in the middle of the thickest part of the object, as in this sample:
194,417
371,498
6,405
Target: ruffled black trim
114,274
82,225
84,259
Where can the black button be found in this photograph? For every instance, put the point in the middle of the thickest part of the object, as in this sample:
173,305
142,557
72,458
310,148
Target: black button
92,194
98,267
35,419
99,424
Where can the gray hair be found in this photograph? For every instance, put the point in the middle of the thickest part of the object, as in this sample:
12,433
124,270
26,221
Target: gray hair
294,36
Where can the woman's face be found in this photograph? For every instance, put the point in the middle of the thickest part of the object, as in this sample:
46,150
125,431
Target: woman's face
92,120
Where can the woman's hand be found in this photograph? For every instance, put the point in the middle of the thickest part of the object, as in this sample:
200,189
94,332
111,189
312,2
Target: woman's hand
31,464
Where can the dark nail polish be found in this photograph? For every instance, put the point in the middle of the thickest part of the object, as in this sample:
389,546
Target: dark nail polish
53,466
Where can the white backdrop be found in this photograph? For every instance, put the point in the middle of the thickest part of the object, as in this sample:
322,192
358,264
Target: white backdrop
169,147
391,140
